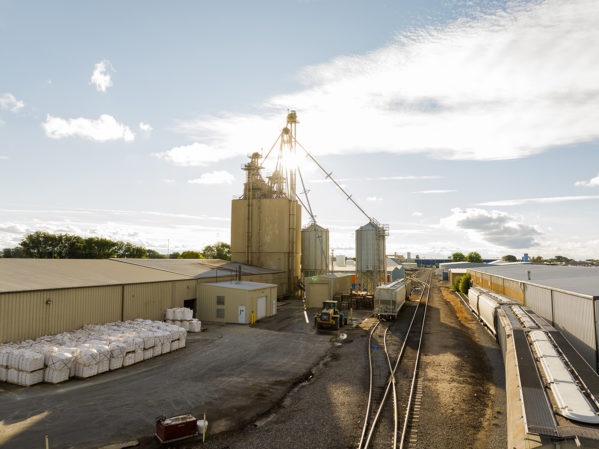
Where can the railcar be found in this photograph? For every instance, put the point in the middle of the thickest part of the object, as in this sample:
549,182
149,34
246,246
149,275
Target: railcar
390,298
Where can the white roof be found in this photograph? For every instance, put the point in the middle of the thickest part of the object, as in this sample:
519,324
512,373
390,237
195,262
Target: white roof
241,285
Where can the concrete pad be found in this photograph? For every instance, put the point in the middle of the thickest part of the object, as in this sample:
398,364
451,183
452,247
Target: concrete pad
234,373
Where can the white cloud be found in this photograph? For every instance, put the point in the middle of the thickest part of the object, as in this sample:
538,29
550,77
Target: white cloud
417,214
195,154
546,200
168,181
495,227
4,158
10,103
215,177
432,192
593,182
145,127
373,198
473,89
101,76
103,129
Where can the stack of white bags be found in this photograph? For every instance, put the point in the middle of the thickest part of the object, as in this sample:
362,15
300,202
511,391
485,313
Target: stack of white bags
183,317
92,350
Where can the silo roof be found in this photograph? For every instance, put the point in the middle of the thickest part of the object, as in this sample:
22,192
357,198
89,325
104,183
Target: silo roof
578,280
48,274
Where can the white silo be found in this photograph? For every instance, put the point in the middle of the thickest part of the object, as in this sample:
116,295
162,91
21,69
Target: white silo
370,255
315,250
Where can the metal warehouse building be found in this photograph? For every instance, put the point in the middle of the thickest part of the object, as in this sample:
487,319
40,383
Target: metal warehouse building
236,301
49,296
568,297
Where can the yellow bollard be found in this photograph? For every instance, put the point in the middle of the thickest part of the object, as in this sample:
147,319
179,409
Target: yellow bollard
351,313
47,443
204,429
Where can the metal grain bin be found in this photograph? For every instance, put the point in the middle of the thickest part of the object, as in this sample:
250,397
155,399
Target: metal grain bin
315,250
370,255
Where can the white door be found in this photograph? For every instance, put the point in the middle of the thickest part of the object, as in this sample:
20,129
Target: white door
261,305
274,306
241,315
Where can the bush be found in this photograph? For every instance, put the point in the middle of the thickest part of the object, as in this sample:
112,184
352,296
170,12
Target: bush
465,283
456,284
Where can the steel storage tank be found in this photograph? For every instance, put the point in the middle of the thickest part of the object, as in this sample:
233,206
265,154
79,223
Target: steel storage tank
315,250
370,255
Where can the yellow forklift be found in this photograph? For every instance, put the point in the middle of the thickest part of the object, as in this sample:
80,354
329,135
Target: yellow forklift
330,316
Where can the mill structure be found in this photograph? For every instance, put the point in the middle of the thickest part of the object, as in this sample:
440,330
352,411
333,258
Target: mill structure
266,219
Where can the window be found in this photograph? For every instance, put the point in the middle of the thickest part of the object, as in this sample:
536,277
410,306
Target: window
220,313
220,300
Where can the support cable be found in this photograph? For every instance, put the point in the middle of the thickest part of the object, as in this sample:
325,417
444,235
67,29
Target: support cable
329,175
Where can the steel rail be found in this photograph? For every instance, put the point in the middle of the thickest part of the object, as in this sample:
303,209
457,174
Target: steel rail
392,375
415,375
370,388
394,388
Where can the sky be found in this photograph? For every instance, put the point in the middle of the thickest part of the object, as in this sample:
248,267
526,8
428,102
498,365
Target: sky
463,125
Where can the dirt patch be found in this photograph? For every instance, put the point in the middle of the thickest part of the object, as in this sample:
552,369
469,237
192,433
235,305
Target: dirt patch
457,402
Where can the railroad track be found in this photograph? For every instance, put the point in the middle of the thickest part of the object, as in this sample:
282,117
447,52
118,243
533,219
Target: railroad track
394,391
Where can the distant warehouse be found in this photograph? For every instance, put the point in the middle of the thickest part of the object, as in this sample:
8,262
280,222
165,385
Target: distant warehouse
568,297
49,296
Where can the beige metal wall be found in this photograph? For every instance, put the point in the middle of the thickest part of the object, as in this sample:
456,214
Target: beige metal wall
316,293
270,241
27,315
150,301
325,288
234,297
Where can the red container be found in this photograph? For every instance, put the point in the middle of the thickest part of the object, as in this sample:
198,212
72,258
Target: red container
177,427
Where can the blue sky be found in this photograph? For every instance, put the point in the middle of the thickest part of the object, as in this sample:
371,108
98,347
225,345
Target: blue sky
464,125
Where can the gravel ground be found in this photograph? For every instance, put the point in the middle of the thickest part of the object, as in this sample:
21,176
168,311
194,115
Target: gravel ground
463,401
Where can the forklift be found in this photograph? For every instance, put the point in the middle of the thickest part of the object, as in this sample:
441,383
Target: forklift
330,316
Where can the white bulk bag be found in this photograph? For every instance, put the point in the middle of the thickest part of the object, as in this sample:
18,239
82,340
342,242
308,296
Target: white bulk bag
3,373
26,378
55,376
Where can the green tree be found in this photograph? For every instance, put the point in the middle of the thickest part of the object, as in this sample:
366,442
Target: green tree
132,251
13,252
458,257
537,259
474,257
509,258
174,255
153,254
220,250
190,255
465,283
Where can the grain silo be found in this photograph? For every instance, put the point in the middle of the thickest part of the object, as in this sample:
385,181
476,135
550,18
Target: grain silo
371,261
315,250
266,219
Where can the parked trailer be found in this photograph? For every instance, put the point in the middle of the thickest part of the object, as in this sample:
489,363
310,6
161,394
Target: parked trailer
390,298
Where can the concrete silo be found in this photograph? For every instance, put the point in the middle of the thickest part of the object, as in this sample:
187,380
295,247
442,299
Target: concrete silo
315,250
371,262
266,219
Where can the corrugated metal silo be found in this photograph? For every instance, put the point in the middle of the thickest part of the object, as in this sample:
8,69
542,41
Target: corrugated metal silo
370,255
315,250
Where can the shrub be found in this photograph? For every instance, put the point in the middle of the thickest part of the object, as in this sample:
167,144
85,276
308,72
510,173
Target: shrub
465,283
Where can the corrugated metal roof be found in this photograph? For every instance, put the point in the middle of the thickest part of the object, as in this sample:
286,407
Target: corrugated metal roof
199,268
46,274
581,280
241,285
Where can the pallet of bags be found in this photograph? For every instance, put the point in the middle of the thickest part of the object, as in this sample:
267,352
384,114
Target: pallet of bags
24,367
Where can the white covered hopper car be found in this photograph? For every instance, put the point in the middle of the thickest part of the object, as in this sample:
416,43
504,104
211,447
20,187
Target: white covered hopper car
389,298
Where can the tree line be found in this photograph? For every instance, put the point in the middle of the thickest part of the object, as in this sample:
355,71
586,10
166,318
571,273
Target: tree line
44,245
473,257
